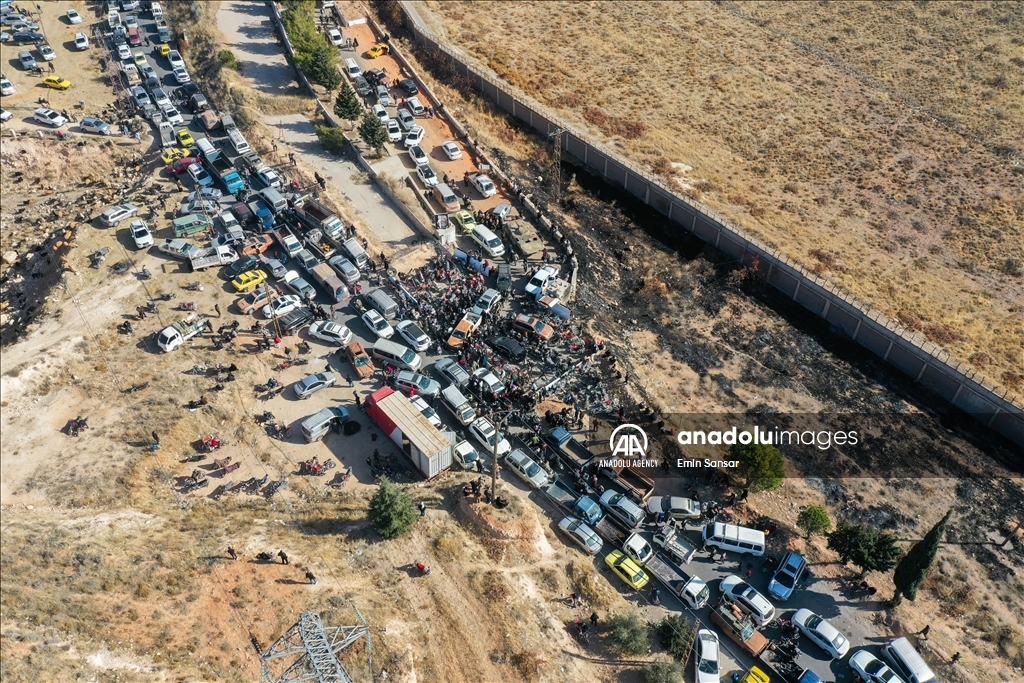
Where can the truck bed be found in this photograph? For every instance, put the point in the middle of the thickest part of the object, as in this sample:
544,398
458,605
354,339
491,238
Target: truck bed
636,483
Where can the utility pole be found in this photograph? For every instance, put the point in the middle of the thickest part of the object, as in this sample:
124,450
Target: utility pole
556,162
494,455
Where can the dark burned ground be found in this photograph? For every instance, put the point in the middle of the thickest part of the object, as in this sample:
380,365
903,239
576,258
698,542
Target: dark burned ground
639,272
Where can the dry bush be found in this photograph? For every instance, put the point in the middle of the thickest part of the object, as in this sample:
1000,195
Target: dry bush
1014,380
943,334
662,167
528,664
585,580
911,319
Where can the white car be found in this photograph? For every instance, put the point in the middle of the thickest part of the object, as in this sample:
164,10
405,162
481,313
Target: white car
116,214
381,113
414,136
269,177
47,53
465,455
405,119
418,155
487,378
394,130
160,98
141,234
451,150
483,431
74,17
415,106
540,279
140,96
5,116
674,507
414,335
706,658
207,206
487,302
822,633
199,175
376,322
181,76
124,52
739,592
49,117
871,669
211,193
172,115
581,534
334,35
484,185
282,305
427,411
81,41
526,469
174,57
6,87
331,332
131,21
426,174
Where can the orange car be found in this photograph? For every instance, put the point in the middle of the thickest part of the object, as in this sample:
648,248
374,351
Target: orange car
256,245
536,327
467,326
361,362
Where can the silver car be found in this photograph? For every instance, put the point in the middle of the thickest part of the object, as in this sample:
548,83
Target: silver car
91,125
116,214
414,383
581,534
310,384
526,469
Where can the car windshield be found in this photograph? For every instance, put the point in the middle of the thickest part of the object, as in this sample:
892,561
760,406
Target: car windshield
533,470
361,360
813,621
459,334
494,243
874,666
708,666
380,324
839,641
423,382
539,326
408,356
785,578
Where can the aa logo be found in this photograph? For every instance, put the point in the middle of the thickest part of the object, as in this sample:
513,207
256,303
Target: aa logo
628,441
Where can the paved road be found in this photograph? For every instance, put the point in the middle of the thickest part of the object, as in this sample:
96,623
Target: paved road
247,28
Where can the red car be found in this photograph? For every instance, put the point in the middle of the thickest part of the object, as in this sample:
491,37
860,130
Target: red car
181,165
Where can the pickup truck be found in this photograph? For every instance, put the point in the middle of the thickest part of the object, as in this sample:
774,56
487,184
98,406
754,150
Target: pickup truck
166,131
190,225
316,216
586,508
483,184
675,543
221,167
321,247
289,242
739,627
213,256
131,74
179,249
180,332
638,485
264,216
578,455
325,276
691,589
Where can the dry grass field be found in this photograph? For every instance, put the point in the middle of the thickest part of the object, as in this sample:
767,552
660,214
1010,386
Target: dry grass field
878,144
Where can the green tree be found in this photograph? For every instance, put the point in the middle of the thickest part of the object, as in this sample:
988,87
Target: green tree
392,512
333,139
346,104
627,634
321,66
228,59
760,465
867,548
913,568
663,672
373,132
814,519
673,633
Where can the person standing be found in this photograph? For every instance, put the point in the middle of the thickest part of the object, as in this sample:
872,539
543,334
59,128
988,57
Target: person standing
284,558
216,307
232,554
310,577
423,509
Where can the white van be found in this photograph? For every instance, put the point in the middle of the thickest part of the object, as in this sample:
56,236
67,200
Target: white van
907,662
274,199
351,68
390,353
316,426
206,148
383,304
488,241
738,539
238,141
356,253
460,406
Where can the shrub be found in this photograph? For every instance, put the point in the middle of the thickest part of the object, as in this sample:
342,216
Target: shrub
865,547
663,672
392,512
627,634
814,519
760,465
674,635
333,139
227,59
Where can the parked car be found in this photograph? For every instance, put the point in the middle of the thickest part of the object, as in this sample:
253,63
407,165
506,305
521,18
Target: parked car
526,469
28,62
281,305
360,360
269,177
414,335
185,138
200,176
124,52
248,280
509,348
427,412
451,150
140,96
383,96
581,534
413,383
427,175
452,371
47,53
73,17
331,332
465,220
6,87
257,298
181,76
28,37
405,119
334,35
822,633
174,57
674,507
622,507
377,324
91,125
626,569
419,157
706,660
484,432
140,234
310,384
181,165
409,86
739,592
871,669
488,380
483,185
540,279
81,41
198,206
49,117
241,265
394,130
531,326
116,214
381,113
487,302
787,576
415,106
207,193
172,115
414,136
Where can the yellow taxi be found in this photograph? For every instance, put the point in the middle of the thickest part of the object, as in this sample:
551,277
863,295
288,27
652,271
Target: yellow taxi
165,50
172,154
465,221
56,82
377,50
248,280
626,569
185,138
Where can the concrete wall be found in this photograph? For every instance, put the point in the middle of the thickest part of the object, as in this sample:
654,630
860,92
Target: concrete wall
910,353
